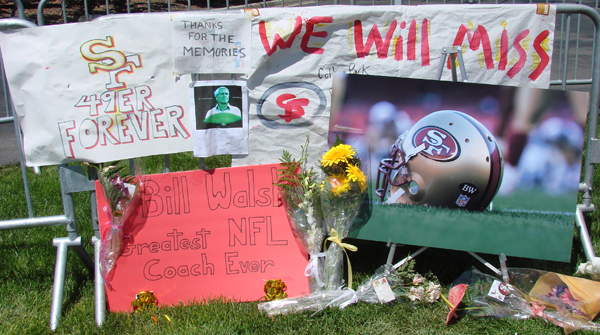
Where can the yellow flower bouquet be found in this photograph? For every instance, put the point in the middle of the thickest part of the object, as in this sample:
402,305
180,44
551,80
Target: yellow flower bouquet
342,192
331,205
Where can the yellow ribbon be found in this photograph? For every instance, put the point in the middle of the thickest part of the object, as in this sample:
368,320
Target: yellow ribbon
334,238
144,300
275,289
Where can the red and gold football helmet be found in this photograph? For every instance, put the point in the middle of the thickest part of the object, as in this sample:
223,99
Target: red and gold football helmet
447,159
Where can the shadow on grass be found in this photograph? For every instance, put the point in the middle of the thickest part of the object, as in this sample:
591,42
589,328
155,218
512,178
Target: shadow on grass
80,277
33,267
448,265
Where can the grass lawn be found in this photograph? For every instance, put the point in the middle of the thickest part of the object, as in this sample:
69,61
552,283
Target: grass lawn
27,273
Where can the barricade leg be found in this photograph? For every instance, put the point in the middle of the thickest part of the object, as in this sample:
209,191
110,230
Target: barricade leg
584,235
62,244
99,290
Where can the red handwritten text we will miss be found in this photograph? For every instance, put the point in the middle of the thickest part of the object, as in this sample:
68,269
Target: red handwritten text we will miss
389,42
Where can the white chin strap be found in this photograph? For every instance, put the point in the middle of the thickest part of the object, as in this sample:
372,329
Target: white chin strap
399,192
394,197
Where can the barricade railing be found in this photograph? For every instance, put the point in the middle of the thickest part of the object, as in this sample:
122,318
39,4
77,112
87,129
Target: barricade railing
592,155
564,33
73,179
13,23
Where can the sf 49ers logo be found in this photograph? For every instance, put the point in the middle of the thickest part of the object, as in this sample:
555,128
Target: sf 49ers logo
440,145
102,57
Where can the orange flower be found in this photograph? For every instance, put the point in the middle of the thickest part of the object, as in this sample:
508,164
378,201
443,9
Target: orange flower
339,184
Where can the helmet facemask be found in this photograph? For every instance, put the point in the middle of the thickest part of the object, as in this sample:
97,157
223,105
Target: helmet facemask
395,165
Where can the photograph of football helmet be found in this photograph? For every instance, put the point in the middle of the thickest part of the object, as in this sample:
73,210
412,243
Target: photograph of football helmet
447,159
464,166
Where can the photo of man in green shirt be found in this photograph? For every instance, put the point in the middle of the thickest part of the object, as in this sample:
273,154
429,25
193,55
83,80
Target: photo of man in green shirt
223,114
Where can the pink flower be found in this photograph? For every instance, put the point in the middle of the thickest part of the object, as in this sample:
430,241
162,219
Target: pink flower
567,295
567,298
418,279
119,184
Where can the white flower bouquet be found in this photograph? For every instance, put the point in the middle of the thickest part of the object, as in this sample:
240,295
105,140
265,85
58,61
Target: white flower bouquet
405,283
299,189
314,302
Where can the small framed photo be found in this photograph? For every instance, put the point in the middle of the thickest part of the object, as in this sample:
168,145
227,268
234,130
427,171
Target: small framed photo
220,117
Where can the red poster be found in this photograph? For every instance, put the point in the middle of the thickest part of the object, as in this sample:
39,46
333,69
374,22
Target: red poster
206,234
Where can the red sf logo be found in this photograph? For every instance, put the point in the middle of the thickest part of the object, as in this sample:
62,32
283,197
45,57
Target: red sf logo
440,145
293,108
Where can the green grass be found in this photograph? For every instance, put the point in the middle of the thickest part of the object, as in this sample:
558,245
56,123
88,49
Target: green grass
537,200
27,271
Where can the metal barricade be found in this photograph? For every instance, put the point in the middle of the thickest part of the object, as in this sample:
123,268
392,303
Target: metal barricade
72,180
565,72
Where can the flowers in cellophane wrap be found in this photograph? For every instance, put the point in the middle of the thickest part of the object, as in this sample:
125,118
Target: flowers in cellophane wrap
314,302
342,192
121,192
300,192
571,302
568,302
334,203
405,283
309,204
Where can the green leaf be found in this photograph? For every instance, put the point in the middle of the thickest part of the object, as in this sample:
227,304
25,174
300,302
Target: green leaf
337,141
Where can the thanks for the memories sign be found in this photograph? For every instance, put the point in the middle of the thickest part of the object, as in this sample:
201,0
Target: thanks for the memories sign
206,234
217,43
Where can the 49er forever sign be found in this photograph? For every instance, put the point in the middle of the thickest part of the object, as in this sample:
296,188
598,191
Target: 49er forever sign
206,234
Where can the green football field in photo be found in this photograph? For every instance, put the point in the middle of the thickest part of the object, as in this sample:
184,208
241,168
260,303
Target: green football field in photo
524,224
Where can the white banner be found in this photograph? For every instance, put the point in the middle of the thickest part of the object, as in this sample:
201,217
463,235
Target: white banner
97,91
297,50
109,89
218,43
